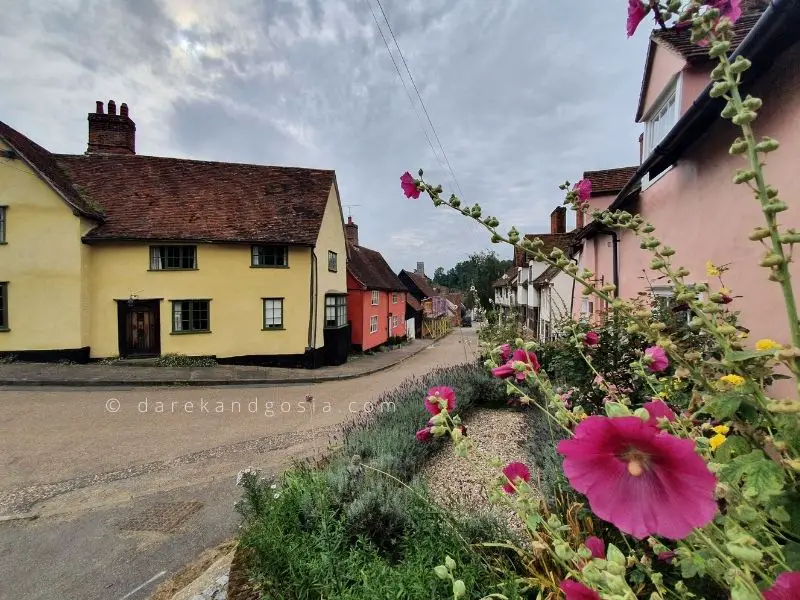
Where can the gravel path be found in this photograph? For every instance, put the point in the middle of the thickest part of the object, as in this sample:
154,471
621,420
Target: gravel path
462,484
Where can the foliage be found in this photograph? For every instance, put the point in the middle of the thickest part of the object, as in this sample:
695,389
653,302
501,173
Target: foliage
480,270
696,492
182,360
362,525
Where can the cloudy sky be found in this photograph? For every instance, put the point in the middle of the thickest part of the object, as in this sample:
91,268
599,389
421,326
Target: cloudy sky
524,94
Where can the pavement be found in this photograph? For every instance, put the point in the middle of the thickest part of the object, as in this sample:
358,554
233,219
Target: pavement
105,493
94,374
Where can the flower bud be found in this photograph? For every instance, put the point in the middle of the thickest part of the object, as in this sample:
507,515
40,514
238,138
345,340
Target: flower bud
788,353
775,206
790,237
729,111
743,175
632,328
719,48
459,589
696,323
694,355
682,272
759,233
751,103
658,326
667,251
720,88
767,145
496,239
726,329
657,263
740,65
648,229
441,572
771,260
745,117
739,146
718,72
449,563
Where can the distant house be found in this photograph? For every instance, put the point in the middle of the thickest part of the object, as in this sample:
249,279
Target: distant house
110,253
376,298
434,307
683,185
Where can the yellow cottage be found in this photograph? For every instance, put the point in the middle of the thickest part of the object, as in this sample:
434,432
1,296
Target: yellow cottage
113,254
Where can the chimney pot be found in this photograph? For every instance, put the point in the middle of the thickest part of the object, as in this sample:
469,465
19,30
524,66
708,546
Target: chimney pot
351,232
421,268
580,219
558,220
111,133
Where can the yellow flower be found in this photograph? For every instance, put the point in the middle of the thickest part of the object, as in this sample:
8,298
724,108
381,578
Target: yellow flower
767,344
711,270
733,380
721,429
724,291
717,441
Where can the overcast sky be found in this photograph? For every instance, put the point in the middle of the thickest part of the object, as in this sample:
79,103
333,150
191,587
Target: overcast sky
524,94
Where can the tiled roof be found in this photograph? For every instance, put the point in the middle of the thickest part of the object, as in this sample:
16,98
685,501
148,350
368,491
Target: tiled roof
372,270
507,277
155,198
422,283
609,181
456,298
45,163
413,302
546,276
677,39
551,240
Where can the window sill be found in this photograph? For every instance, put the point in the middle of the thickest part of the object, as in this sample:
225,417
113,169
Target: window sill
4,329
273,329
269,266
189,332
173,269
3,243
335,326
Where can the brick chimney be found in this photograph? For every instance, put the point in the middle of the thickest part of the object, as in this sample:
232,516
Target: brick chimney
580,219
420,268
558,220
111,133
351,232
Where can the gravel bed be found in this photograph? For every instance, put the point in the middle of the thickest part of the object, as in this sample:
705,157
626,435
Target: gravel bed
461,484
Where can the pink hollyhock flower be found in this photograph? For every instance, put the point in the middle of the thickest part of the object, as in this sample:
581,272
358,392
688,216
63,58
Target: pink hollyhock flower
644,481
636,14
520,355
596,546
727,8
592,338
515,472
584,189
423,435
658,359
446,393
786,587
575,590
505,352
658,409
409,186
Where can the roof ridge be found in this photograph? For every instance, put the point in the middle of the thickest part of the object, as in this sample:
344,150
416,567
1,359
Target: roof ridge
177,158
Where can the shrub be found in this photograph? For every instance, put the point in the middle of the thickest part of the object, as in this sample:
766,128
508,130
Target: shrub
182,360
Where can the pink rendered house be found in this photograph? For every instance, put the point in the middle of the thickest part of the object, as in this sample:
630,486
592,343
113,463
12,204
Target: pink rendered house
684,186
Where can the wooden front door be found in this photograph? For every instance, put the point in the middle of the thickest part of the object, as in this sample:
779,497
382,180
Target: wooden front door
139,328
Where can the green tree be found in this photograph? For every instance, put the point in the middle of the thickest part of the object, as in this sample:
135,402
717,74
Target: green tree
480,269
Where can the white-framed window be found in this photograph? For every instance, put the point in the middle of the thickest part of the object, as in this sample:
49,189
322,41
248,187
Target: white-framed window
587,307
173,258
394,322
373,324
664,297
335,311
375,297
2,224
660,121
273,313
394,297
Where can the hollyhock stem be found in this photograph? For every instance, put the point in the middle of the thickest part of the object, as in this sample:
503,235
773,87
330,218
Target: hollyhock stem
727,560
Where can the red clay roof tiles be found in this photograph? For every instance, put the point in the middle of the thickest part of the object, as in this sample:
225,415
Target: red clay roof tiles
371,269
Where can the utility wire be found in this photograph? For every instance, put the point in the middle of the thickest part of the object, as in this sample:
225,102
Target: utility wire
405,87
414,83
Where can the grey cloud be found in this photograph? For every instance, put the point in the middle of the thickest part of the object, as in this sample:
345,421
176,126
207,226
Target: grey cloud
524,95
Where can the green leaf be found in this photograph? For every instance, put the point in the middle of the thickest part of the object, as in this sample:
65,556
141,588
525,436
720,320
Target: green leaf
791,553
760,478
741,592
744,553
723,406
734,446
740,355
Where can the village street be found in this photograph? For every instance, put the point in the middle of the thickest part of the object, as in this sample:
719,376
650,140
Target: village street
121,487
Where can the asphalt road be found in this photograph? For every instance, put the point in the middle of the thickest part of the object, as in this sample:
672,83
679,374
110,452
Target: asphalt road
122,487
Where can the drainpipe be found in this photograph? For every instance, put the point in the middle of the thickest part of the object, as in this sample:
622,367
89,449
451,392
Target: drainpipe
615,260
312,308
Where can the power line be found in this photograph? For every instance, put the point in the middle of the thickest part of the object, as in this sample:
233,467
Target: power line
405,87
414,83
